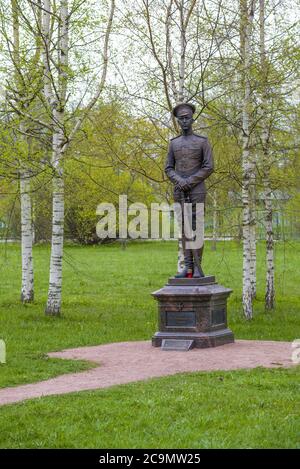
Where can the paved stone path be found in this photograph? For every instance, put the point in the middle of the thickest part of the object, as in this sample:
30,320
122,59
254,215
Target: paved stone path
124,362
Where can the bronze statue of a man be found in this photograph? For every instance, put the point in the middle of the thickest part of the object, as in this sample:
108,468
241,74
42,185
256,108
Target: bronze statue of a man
189,162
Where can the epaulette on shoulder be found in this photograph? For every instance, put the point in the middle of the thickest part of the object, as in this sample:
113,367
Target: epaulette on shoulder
173,138
201,136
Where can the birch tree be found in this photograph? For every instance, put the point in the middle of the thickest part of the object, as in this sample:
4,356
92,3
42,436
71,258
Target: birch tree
56,80
265,139
27,286
277,80
215,220
21,72
247,15
57,120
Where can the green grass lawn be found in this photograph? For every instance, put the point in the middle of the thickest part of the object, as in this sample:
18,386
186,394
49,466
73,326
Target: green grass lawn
106,298
241,409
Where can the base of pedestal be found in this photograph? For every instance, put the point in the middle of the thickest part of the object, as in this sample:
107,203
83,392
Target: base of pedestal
200,339
207,280
192,313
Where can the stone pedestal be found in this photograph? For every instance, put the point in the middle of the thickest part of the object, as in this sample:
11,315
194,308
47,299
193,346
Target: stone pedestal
192,310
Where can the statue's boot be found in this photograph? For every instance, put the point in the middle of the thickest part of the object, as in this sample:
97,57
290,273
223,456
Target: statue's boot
187,272
198,272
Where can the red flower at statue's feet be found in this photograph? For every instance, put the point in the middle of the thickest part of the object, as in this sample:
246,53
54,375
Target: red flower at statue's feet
189,275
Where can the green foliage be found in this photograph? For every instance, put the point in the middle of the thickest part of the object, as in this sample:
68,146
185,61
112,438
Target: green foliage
119,155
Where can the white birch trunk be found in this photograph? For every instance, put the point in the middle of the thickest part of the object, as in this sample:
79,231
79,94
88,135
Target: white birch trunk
253,257
270,270
247,167
180,255
247,292
252,202
27,287
46,52
181,93
215,221
169,53
55,279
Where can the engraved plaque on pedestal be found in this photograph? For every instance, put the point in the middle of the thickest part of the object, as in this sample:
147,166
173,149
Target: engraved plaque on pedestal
180,319
218,316
177,344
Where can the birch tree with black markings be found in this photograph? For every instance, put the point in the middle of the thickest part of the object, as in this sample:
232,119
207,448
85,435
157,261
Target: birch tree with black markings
20,91
246,29
21,53
266,162
56,19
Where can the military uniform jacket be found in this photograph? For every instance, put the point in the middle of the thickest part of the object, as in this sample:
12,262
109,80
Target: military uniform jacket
190,156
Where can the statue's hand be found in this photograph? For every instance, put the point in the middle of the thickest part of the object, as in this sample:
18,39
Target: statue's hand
188,182
186,186
182,184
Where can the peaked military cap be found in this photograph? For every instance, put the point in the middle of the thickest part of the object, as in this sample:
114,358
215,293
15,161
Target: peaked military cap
189,106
